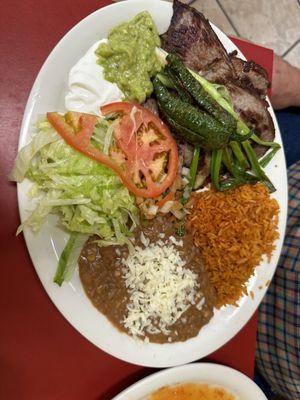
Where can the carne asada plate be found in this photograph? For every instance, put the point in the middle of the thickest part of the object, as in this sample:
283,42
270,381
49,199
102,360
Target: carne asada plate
199,307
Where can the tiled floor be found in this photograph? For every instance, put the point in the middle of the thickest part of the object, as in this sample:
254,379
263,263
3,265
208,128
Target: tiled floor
272,23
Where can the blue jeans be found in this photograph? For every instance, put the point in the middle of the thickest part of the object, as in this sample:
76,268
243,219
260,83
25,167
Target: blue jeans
289,123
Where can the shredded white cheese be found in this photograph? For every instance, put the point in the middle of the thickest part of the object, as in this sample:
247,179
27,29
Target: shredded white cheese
160,288
176,242
145,241
200,304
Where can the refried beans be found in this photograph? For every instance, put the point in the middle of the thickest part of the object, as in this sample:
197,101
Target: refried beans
101,274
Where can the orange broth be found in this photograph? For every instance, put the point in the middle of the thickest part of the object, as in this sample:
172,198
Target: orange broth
192,391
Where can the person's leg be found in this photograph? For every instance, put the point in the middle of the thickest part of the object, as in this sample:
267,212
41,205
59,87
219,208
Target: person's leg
265,387
289,124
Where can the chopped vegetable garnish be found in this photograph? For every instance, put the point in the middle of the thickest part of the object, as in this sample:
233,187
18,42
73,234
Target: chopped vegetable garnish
180,231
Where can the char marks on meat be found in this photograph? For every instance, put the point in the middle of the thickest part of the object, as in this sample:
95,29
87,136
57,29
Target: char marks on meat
253,110
251,75
248,74
218,72
191,37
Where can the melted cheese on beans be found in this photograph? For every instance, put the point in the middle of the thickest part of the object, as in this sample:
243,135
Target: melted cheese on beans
161,289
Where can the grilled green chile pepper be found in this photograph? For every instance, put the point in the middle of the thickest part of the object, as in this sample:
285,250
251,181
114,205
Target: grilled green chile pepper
204,100
199,94
198,127
182,93
185,133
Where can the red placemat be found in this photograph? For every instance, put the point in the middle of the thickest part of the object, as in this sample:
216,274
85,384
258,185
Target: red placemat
41,355
259,54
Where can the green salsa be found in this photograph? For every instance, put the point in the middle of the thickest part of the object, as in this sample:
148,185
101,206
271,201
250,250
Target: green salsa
129,57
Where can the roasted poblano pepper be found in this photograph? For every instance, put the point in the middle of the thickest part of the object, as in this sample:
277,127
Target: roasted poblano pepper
202,98
193,125
182,93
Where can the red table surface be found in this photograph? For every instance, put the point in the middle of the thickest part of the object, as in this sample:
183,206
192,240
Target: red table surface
41,355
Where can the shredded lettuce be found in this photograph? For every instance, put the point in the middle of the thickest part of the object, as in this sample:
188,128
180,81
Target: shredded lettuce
45,136
88,197
109,137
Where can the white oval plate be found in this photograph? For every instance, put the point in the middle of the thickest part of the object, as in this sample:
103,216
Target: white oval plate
48,94
214,374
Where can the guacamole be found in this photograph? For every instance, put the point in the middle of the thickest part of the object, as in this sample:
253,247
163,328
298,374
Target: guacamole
129,57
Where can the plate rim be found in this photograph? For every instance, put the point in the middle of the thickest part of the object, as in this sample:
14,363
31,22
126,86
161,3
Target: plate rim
24,132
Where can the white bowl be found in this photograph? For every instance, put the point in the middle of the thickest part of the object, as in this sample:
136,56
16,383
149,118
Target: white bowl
235,382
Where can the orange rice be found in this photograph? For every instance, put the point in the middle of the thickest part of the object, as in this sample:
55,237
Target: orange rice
233,229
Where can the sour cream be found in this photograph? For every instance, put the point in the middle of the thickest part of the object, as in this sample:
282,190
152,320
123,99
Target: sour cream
87,87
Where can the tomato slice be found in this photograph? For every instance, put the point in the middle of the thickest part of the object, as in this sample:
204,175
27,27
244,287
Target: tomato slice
146,157
150,150
77,132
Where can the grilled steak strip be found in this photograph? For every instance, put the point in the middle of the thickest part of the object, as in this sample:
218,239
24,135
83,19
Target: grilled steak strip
191,37
248,74
253,110
218,72
251,75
